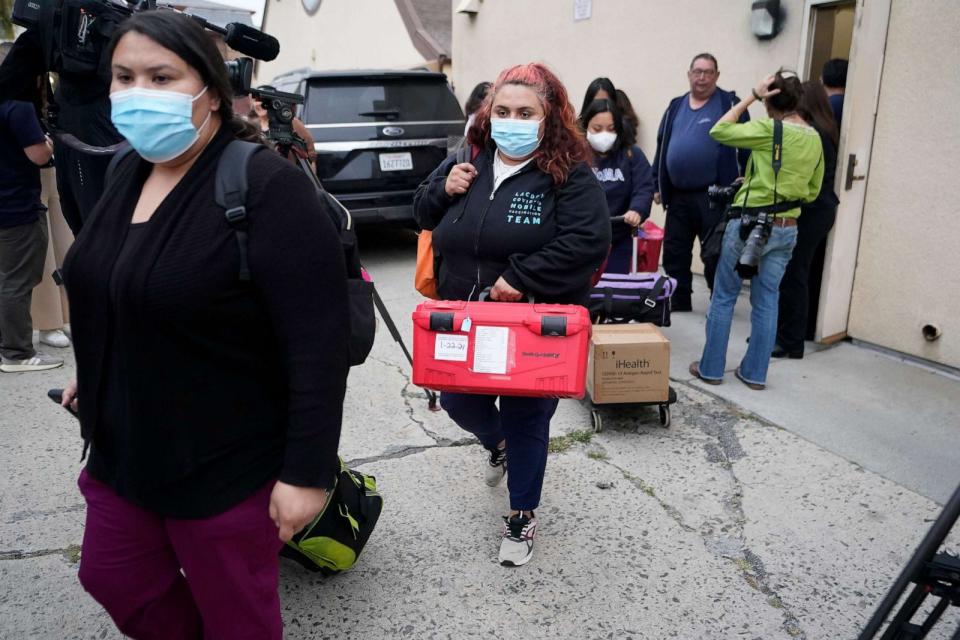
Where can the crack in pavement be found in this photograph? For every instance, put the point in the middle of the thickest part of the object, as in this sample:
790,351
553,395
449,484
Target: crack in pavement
408,451
723,450
70,553
732,544
409,396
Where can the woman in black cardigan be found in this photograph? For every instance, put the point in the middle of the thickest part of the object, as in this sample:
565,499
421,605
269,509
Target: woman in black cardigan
211,406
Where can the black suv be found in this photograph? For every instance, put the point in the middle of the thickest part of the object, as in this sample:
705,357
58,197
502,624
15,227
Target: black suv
378,134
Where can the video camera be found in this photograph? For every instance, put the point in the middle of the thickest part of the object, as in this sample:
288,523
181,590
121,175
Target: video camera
280,106
75,32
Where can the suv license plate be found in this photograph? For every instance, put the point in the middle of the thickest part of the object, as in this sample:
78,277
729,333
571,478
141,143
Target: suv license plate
396,161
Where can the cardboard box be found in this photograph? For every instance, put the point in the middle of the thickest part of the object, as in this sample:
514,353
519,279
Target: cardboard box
628,363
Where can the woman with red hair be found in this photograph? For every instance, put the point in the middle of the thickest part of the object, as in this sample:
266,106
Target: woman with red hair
525,219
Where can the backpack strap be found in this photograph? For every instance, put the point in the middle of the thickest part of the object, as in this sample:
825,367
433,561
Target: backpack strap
122,152
230,192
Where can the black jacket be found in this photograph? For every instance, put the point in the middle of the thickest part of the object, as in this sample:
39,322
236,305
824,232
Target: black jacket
827,198
195,388
730,161
545,240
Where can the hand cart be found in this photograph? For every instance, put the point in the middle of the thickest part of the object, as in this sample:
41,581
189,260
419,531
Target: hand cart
663,406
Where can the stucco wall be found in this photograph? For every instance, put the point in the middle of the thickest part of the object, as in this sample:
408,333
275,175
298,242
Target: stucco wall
342,34
908,266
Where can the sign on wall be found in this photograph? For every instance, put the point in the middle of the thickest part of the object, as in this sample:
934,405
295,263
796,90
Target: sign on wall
582,9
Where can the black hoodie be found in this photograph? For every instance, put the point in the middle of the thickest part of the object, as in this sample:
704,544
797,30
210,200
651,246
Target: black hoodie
544,240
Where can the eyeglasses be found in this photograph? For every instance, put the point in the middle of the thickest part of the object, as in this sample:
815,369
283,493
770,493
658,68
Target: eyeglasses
706,73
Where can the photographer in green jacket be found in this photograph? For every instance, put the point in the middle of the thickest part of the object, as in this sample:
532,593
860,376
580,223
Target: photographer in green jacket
785,170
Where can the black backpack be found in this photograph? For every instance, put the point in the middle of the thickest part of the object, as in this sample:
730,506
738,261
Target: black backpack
230,192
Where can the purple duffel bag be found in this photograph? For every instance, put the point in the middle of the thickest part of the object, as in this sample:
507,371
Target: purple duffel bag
638,297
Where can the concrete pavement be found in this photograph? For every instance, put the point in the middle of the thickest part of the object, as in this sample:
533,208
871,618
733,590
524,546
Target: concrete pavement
781,514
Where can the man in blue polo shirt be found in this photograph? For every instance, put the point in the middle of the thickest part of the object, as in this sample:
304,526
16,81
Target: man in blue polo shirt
23,233
688,161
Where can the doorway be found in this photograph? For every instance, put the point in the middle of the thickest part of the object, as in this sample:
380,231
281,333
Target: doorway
830,36
867,49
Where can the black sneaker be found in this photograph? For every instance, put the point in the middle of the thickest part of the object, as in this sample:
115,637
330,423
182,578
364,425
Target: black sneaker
680,303
496,467
780,352
516,547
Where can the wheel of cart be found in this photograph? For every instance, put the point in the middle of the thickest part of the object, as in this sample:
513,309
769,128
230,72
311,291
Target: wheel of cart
662,407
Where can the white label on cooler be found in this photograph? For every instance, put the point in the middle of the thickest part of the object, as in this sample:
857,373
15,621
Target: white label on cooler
450,346
490,349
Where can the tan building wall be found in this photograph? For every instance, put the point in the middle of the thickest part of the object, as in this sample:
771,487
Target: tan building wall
908,266
342,34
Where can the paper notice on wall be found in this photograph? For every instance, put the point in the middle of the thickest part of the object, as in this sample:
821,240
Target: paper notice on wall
582,9
450,346
490,347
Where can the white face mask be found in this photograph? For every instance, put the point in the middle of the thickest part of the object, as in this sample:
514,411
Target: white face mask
602,141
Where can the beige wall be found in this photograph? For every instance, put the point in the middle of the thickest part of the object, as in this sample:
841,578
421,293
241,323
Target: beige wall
342,34
909,262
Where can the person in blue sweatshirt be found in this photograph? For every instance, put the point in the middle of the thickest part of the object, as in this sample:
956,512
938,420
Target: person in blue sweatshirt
624,174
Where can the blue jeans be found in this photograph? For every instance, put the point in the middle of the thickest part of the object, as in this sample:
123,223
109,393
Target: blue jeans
523,422
764,301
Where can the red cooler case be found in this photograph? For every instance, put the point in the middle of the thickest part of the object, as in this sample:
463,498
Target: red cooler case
508,348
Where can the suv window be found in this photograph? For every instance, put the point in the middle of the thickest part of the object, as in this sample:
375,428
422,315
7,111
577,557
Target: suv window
363,100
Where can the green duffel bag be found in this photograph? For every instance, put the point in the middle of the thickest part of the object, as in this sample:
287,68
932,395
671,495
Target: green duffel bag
332,542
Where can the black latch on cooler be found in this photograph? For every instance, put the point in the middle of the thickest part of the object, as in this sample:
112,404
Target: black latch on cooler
441,321
553,326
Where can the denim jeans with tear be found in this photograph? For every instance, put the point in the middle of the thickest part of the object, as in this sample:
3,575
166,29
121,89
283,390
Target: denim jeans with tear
764,302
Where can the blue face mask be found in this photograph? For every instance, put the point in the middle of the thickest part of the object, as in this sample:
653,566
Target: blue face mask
515,138
157,124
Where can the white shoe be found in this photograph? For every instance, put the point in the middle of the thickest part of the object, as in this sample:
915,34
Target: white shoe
56,338
516,547
39,362
496,467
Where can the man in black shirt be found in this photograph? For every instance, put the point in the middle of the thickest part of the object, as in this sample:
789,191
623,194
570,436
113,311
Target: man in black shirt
23,234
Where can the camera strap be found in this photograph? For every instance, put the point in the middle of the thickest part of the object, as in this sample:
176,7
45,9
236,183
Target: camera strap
776,161
776,156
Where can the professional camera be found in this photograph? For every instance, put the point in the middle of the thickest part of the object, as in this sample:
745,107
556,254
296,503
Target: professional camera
721,197
76,32
754,232
280,112
71,39
280,106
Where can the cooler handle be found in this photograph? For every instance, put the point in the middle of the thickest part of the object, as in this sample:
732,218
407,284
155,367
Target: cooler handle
441,321
485,297
552,325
